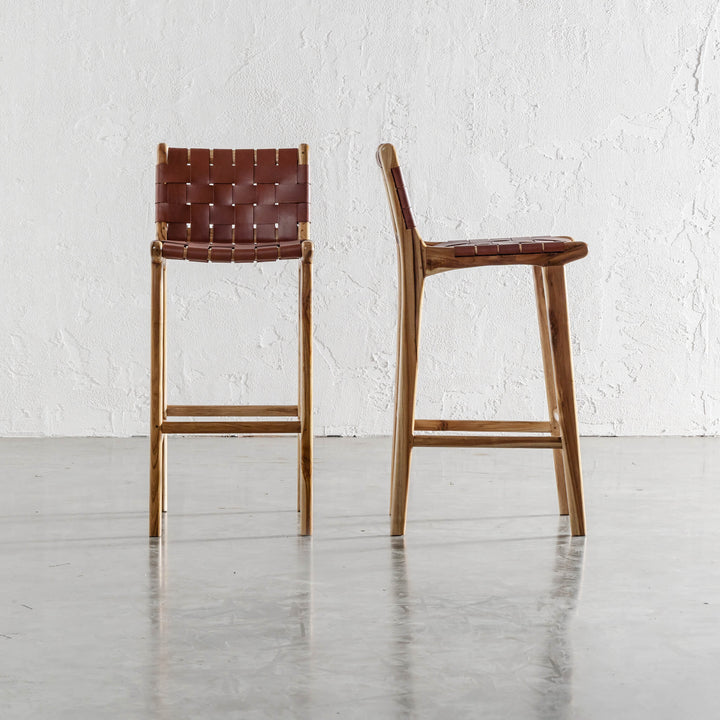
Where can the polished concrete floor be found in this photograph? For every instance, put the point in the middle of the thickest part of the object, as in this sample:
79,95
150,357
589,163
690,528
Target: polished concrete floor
486,609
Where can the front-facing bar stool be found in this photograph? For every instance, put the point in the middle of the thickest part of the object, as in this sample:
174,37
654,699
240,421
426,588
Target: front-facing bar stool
416,261
240,206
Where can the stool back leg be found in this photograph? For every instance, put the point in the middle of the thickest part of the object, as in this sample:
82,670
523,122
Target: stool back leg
411,282
156,399
550,389
562,363
305,460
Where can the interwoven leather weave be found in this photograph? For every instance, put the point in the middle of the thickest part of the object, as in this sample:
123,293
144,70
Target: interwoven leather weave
509,246
232,205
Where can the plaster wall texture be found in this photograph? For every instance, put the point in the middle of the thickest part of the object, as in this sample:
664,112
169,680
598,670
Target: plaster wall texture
598,120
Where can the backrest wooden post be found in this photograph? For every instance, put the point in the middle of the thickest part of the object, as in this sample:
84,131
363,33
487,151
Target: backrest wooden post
161,227
303,158
411,248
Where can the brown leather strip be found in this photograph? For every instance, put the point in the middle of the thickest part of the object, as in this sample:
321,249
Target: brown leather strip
222,214
265,233
290,251
200,223
176,169
199,193
177,232
265,194
268,253
222,170
266,214
244,254
244,194
464,251
200,166
197,253
221,254
165,212
287,169
222,233
552,247
407,216
397,177
402,198
509,248
177,193
481,250
292,193
173,250
223,194
244,167
287,223
243,220
266,171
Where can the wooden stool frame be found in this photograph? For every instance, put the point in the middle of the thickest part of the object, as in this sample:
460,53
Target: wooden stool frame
418,260
301,414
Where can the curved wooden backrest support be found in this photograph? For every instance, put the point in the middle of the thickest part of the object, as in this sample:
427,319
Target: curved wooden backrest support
403,221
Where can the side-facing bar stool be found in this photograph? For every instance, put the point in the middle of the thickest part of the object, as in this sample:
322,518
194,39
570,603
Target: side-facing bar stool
418,260
225,206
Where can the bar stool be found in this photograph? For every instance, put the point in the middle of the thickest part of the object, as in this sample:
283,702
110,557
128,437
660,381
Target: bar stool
239,206
416,261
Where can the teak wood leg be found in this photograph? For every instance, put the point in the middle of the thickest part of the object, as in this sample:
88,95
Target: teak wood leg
550,389
562,365
163,391
397,385
305,459
300,391
156,399
409,336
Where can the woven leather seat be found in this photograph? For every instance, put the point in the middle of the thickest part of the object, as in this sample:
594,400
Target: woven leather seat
240,206
533,245
510,246
232,205
418,260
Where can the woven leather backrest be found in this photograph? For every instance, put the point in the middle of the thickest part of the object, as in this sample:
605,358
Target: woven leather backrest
254,197
403,198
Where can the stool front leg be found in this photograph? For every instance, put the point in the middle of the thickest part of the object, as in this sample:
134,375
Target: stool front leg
163,389
156,396
563,367
305,407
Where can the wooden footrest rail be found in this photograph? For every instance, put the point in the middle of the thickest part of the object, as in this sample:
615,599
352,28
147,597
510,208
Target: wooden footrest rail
512,426
230,428
503,441
232,411
484,425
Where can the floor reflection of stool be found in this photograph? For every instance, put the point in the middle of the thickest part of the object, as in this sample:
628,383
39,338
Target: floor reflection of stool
239,206
416,261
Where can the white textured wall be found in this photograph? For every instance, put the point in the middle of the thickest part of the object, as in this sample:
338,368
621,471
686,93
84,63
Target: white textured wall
595,119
